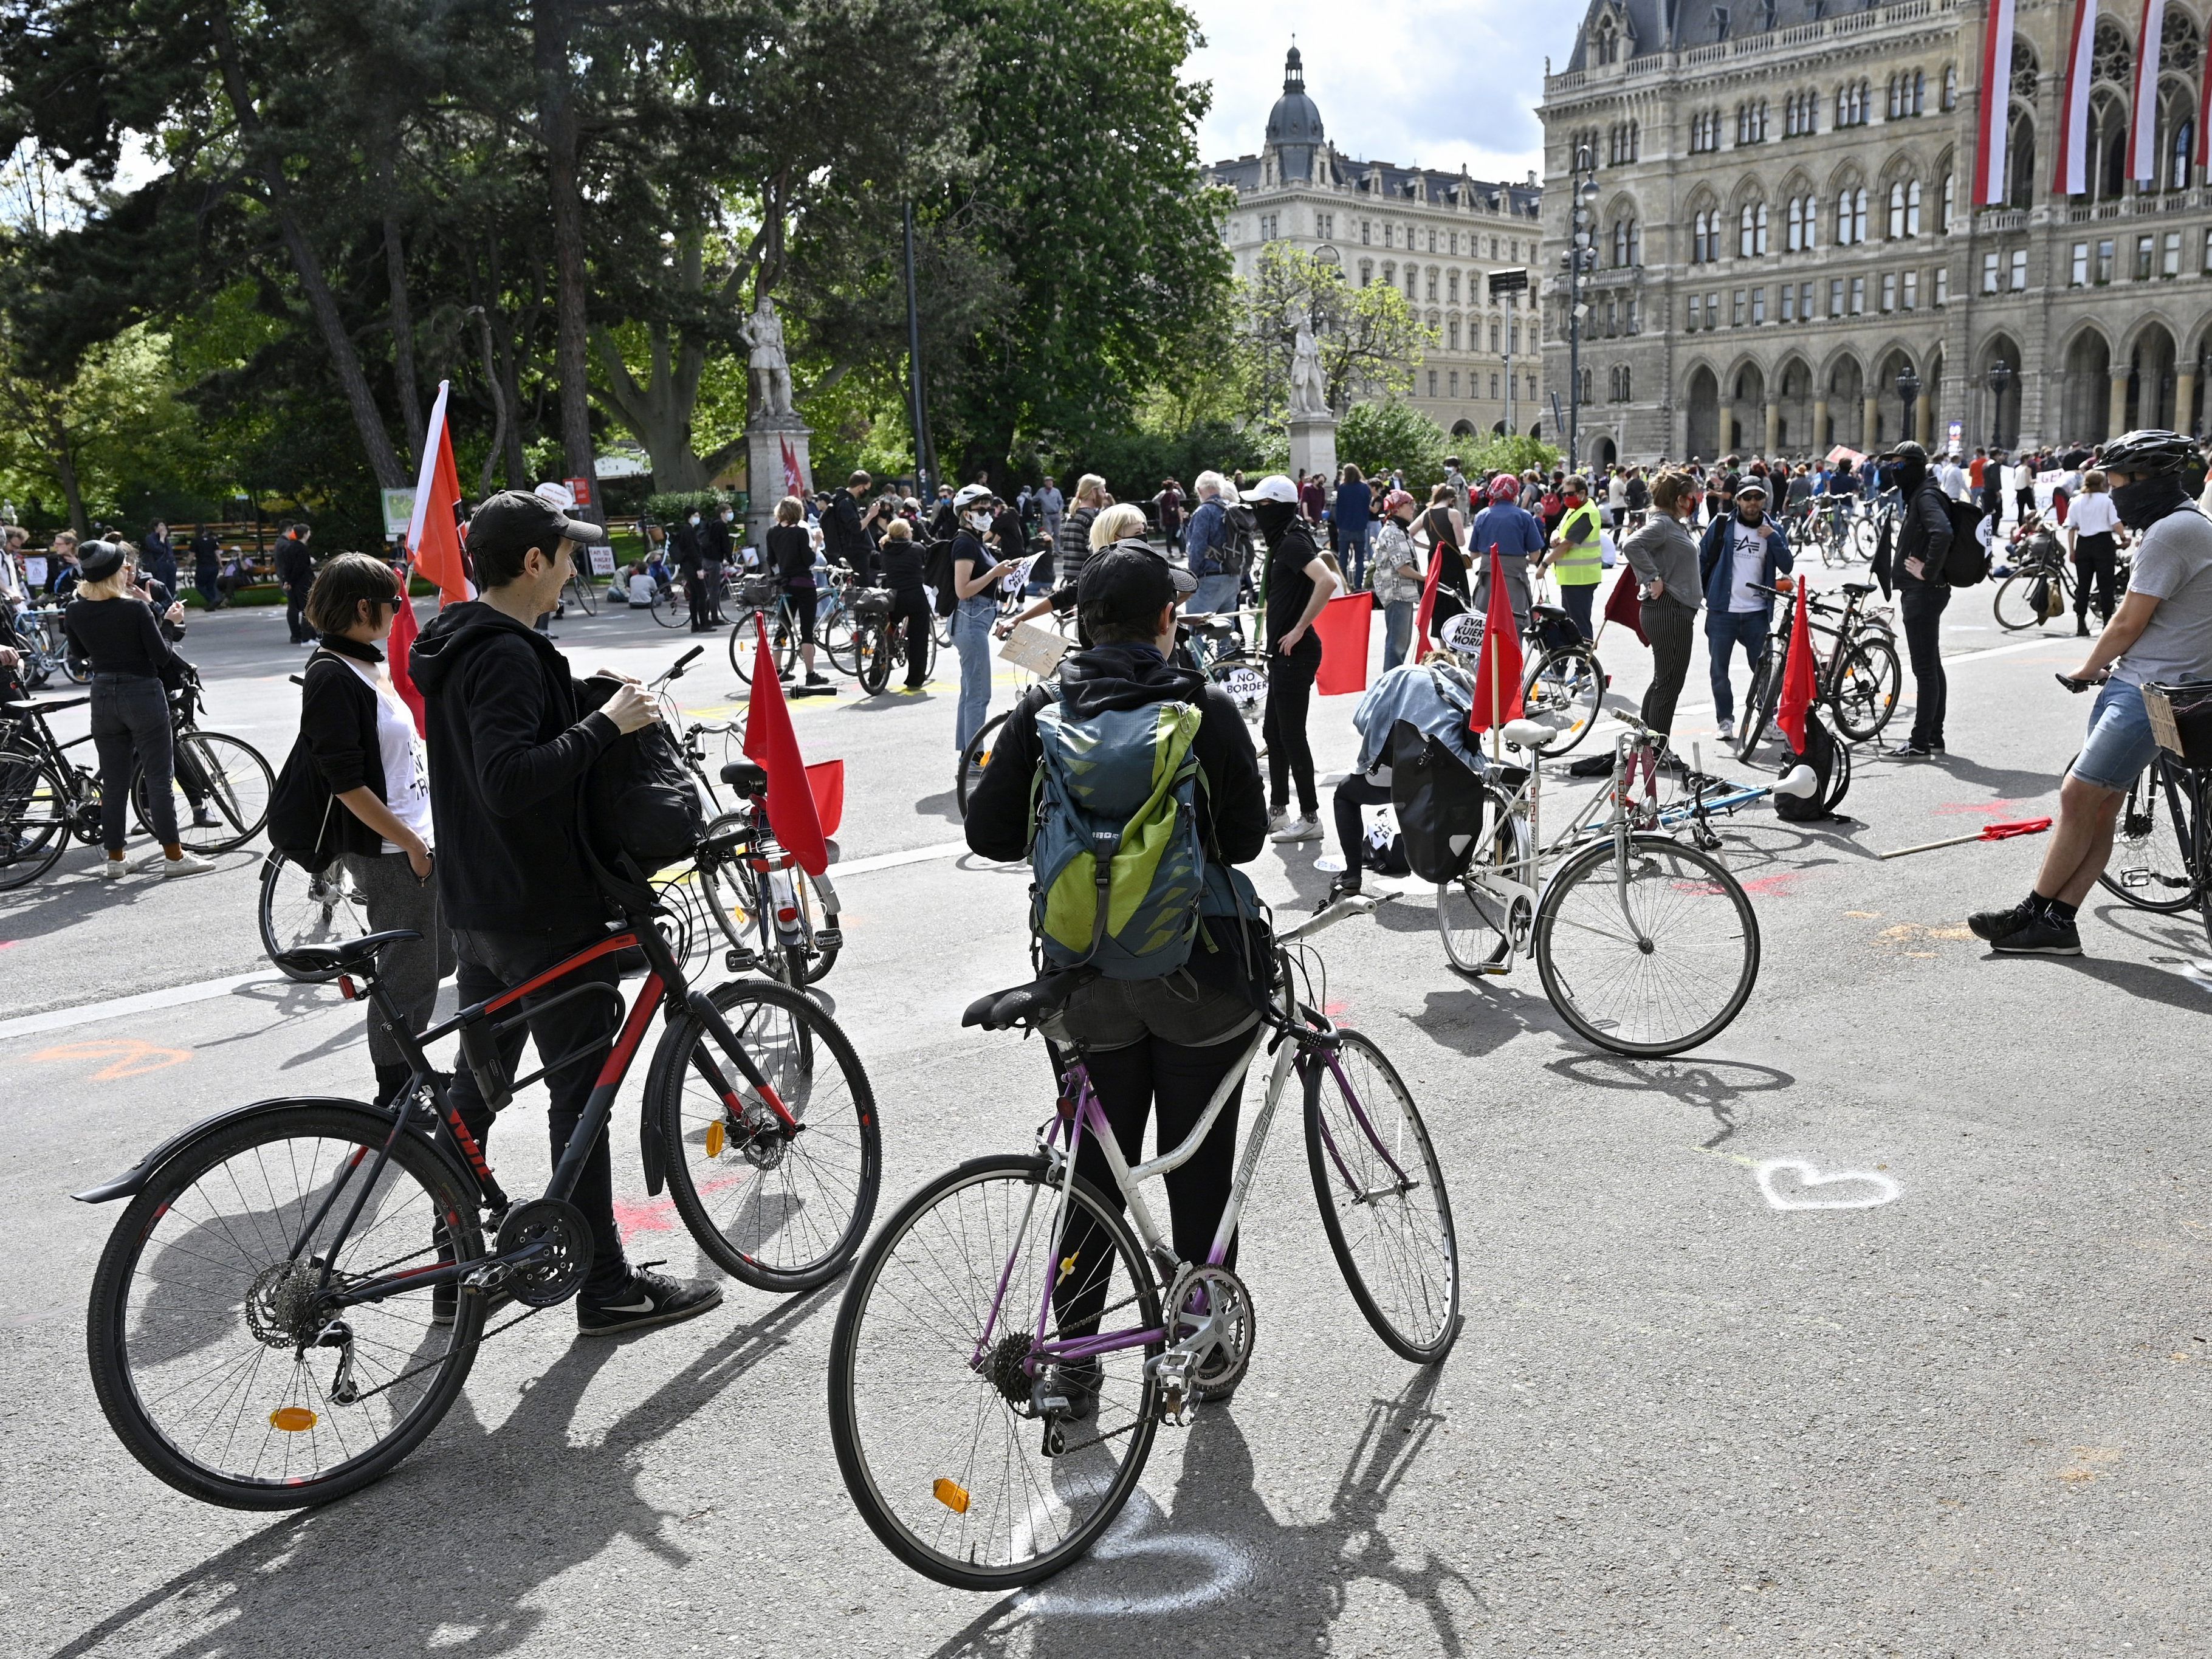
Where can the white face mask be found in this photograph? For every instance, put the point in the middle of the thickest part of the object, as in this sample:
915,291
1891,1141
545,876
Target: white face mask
695,518
979,520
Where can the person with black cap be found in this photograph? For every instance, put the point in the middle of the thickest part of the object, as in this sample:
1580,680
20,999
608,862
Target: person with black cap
1740,554
1923,543
510,748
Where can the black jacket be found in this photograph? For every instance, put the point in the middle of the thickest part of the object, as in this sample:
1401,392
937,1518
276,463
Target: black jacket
338,723
1924,532
295,566
508,756
714,536
843,539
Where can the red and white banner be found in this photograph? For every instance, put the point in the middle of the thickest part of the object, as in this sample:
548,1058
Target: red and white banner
437,538
1996,105
2204,156
2072,177
2142,126
794,480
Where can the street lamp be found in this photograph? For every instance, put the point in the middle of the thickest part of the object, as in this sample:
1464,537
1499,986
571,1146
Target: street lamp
1579,258
2000,382
1908,390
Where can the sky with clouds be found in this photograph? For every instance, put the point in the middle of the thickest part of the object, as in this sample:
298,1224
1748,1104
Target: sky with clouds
1433,83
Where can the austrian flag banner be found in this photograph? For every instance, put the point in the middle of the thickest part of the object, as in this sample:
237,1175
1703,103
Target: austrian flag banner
1996,105
2142,125
2072,178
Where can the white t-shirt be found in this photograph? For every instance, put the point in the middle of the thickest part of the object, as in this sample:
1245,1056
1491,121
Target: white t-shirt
406,768
1748,563
2095,514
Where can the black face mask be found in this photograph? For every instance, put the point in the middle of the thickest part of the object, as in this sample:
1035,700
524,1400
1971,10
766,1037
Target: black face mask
2146,501
1911,475
1273,517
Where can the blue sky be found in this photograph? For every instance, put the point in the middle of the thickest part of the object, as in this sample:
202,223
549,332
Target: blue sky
1437,83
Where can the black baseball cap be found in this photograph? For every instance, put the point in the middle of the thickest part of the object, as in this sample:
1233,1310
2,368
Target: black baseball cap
514,521
1131,579
1907,451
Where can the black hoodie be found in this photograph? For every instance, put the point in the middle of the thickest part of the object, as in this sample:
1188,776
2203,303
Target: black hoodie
509,756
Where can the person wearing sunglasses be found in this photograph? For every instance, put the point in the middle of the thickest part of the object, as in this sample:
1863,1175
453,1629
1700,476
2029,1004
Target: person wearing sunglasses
361,736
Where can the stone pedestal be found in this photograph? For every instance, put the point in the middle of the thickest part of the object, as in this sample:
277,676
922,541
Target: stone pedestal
766,444
1313,445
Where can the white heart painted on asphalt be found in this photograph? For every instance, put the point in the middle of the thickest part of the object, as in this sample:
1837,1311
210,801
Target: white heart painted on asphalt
1883,1188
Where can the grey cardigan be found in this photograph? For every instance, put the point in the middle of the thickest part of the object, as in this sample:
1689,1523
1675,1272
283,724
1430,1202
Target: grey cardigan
1663,547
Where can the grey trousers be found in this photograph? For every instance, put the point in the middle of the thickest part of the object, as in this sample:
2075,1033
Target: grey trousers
412,969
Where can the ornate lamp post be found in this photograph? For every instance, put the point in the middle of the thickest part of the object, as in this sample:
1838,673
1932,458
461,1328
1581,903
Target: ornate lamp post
2001,378
1908,392
1579,259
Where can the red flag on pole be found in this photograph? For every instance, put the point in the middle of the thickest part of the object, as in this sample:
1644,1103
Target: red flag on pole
1498,670
794,481
436,540
403,632
1622,605
771,744
1798,679
1437,552
1345,633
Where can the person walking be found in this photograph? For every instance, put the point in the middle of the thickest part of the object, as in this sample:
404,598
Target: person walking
719,546
845,527
1509,529
1299,584
1664,555
1923,541
690,542
116,633
1051,506
975,578
1073,545
790,557
510,750
1445,532
207,562
1355,521
2095,524
1575,554
1169,504
1398,576
903,568
362,738
295,569
1208,551
1744,548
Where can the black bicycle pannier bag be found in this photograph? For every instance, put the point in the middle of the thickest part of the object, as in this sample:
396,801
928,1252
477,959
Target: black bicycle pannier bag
1438,799
639,800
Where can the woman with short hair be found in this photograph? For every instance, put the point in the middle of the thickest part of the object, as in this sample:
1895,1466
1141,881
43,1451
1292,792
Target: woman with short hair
790,553
1664,555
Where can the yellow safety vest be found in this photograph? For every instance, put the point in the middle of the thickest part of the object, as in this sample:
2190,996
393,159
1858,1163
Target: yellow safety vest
1579,564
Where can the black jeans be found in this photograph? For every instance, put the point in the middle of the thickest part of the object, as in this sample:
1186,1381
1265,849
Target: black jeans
1283,729
1921,611
2096,559
913,607
296,613
1670,628
490,963
1357,790
701,597
130,724
1576,599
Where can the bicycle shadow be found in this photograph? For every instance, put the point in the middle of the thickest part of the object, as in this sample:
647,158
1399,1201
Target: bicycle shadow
1717,1086
445,1552
1216,1573
1477,1019
74,892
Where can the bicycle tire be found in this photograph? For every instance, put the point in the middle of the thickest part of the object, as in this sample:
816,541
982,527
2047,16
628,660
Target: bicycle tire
2019,614
1562,681
745,646
1688,869
34,819
586,601
1349,1158
115,1328
787,1035
975,758
236,779
2141,842
864,1456
871,649
1759,702
836,632
1475,926
298,906
1864,694
670,608
1245,678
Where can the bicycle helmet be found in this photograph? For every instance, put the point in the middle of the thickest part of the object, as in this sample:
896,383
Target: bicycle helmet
971,494
2148,453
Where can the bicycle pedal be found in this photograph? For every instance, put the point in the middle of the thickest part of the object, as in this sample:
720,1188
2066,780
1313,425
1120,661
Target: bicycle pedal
740,961
829,938
486,1280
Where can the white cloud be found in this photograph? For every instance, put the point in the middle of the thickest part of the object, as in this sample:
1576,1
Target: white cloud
1438,84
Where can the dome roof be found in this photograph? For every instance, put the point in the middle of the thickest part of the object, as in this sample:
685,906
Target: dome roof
1294,120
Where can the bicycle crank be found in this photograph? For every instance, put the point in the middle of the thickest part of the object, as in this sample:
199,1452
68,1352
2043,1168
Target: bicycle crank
1213,1325
549,1244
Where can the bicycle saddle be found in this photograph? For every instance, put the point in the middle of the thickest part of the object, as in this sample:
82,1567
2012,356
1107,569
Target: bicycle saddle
1000,1011
1526,734
1548,612
29,706
322,960
1858,590
743,775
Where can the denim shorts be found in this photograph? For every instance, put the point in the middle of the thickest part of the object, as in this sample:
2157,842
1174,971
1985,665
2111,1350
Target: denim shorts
2119,745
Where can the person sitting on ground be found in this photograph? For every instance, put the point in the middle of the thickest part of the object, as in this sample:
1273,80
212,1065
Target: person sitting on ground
1434,697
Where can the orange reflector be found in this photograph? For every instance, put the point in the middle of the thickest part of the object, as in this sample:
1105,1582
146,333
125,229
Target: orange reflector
714,1139
952,1494
293,1419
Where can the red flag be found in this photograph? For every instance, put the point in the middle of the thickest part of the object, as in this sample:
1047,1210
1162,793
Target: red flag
1498,670
1622,605
1437,552
1798,679
771,744
396,648
437,538
827,779
1345,632
794,481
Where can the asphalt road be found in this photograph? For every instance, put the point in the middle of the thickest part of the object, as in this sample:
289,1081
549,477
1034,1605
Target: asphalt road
1687,1413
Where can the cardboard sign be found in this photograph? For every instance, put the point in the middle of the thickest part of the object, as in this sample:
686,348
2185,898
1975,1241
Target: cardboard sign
603,560
1035,650
398,510
34,569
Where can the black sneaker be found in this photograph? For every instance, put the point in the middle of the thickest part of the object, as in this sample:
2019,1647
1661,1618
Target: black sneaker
2042,934
1994,924
650,1298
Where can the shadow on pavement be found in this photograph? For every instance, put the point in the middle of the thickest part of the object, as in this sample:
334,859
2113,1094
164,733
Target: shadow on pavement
74,892
1717,1086
1478,1019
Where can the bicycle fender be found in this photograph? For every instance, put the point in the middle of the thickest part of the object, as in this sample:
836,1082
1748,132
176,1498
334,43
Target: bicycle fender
133,1181
652,1151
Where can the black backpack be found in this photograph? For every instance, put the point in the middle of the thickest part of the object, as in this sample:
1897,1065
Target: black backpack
936,574
1968,560
1244,533
1438,799
1831,764
640,809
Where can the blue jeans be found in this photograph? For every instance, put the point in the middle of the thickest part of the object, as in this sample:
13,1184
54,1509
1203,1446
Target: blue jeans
1358,542
1397,632
1216,596
1724,631
1576,597
2119,745
971,637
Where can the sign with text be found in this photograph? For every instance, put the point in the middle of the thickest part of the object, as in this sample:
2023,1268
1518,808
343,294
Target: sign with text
398,510
1509,282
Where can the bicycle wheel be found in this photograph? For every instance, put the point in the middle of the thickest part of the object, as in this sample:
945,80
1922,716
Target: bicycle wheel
1759,703
202,1325
670,608
783,1212
299,906
216,778
1564,690
1646,950
745,646
975,758
1865,691
817,935
586,601
1475,923
34,818
836,633
1245,678
872,650
1383,1200
2015,607
2153,864
932,1408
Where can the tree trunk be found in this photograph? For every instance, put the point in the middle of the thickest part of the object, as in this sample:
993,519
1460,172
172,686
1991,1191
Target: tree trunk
403,331
659,411
506,352
556,123
62,451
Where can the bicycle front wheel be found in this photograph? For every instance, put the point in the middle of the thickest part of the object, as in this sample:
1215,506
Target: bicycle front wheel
299,906
34,818
580,583
1383,1200
1563,691
1758,704
2022,600
2154,863
671,608
1864,694
202,1326
221,788
937,1410
1648,948
1245,678
783,1212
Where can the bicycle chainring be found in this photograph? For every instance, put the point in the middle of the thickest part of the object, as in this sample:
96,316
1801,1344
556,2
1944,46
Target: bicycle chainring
1215,1317
557,1272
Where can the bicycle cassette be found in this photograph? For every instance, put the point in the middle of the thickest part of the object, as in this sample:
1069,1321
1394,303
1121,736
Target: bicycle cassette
555,1271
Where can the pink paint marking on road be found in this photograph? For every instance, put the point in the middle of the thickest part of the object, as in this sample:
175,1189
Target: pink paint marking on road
1779,886
656,1216
1989,807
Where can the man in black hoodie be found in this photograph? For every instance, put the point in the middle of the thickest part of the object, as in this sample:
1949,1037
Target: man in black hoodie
295,569
509,754
1923,543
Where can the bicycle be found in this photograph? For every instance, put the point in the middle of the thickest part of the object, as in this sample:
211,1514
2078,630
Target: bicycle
43,648
2039,589
1856,675
1646,946
577,587
266,1328
879,643
298,906
222,783
760,601
46,798
988,1428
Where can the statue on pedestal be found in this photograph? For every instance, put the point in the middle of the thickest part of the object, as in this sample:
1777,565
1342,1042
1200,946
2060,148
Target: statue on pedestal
1308,390
770,369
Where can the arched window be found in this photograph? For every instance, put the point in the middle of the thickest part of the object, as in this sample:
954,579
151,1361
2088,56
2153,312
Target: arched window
1744,249
1850,217
1919,92
1913,208
1796,226
1897,212
1895,110
1950,87
1451,333
2019,163
1627,395
1635,243
2178,153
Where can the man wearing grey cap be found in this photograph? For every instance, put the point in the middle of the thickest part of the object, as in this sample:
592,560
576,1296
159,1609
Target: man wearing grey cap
1743,552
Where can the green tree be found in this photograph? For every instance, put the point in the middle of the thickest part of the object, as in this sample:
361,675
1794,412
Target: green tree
1510,454
1391,433
1369,339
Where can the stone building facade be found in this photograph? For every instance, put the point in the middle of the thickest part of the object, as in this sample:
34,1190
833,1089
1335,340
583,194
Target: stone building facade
1785,222
1435,236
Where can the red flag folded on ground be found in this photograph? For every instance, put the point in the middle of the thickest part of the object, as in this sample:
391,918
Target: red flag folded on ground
1621,606
403,632
1428,600
772,744
1498,670
436,540
1798,679
1345,633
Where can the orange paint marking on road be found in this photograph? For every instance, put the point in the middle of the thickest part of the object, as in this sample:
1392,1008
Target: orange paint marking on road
129,1057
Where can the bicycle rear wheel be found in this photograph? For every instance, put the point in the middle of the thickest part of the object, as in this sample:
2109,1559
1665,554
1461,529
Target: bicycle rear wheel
1864,694
202,1327
782,1211
580,583
1564,690
34,818
872,651
1383,1200
2022,600
1477,925
1759,703
671,608
934,1407
2154,864
1245,678
299,906
1648,948
216,776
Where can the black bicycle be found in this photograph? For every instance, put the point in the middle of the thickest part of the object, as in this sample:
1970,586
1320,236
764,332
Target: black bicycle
46,798
222,783
1857,676
879,643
